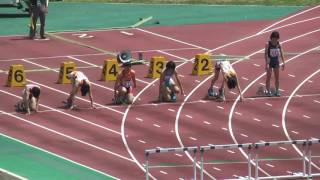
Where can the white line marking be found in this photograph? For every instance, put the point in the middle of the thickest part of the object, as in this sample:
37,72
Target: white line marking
270,165
172,55
244,135
172,110
289,111
192,138
295,132
237,113
225,129
188,116
262,84
291,75
215,168
244,78
143,142
305,116
310,81
256,119
285,149
268,104
233,92
156,125
126,33
67,136
163,172
179,155
197,81
166,37
316,101
281,90
285,19
139,119
232,152
274,125
257,65
180,75
67,114
206,122
220,107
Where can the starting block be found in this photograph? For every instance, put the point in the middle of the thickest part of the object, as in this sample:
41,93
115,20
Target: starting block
202,65
110,70
157,64
66,68
17,76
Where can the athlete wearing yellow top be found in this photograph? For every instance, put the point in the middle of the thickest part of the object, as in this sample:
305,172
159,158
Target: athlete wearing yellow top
79,81
229,77
123,87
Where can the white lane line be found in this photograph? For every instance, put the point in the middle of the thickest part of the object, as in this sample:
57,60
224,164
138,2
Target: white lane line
257,65
220,107
67,136
291,75
67,114
206,122
305,116
289,111
197,81
309,81
237,113
181,179
179,155
172,55
285,19
172,110
316,101
262,84
166,37
270,165
281,90
244,78
141,141
225,129
244,135
163,172
231,152
283,148
192,138
284,125
256,119
268,104
180,75
217,169
233,93
188,116
139,119
156,125
274,125
295,132
126,33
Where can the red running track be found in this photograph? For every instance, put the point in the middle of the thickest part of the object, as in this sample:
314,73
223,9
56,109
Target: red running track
112,139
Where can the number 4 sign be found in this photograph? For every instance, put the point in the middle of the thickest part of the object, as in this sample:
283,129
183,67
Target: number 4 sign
17,76
110,70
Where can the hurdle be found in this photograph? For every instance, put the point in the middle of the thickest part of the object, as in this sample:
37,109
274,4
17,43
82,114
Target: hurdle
253,157
149,152
247,146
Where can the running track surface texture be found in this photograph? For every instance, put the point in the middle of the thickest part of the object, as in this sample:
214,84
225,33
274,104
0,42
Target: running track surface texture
112,139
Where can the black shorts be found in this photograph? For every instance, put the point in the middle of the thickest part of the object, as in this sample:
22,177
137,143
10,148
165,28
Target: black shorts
274,63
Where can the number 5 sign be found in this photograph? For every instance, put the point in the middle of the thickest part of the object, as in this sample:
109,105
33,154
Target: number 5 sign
17,76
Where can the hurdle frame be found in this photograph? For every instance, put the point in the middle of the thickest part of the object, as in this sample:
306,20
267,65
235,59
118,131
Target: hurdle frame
192,149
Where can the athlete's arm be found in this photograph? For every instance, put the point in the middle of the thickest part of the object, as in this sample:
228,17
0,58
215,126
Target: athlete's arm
90,96
179,82
239,89
266,56
282,57
134,78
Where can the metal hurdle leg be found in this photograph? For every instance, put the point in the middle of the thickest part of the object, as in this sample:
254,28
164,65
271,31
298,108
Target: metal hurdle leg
304,160
147,166
249,164
256,160
194,165
201,164
310,161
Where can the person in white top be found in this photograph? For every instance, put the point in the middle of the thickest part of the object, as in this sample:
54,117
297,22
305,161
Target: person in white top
79,80
229,77
30,99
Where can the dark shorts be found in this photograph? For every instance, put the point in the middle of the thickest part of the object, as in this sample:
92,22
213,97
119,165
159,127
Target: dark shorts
274,63
217,67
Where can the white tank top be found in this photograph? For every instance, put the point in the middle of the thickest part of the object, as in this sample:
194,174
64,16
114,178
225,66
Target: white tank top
78,77
226,67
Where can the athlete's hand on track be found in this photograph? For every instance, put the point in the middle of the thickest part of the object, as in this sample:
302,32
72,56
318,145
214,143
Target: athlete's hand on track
283,67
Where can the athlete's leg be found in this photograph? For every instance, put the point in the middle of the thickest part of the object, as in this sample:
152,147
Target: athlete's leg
277,81
268,78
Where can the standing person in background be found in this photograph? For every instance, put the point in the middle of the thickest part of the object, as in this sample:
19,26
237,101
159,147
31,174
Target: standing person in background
273,51
38,9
